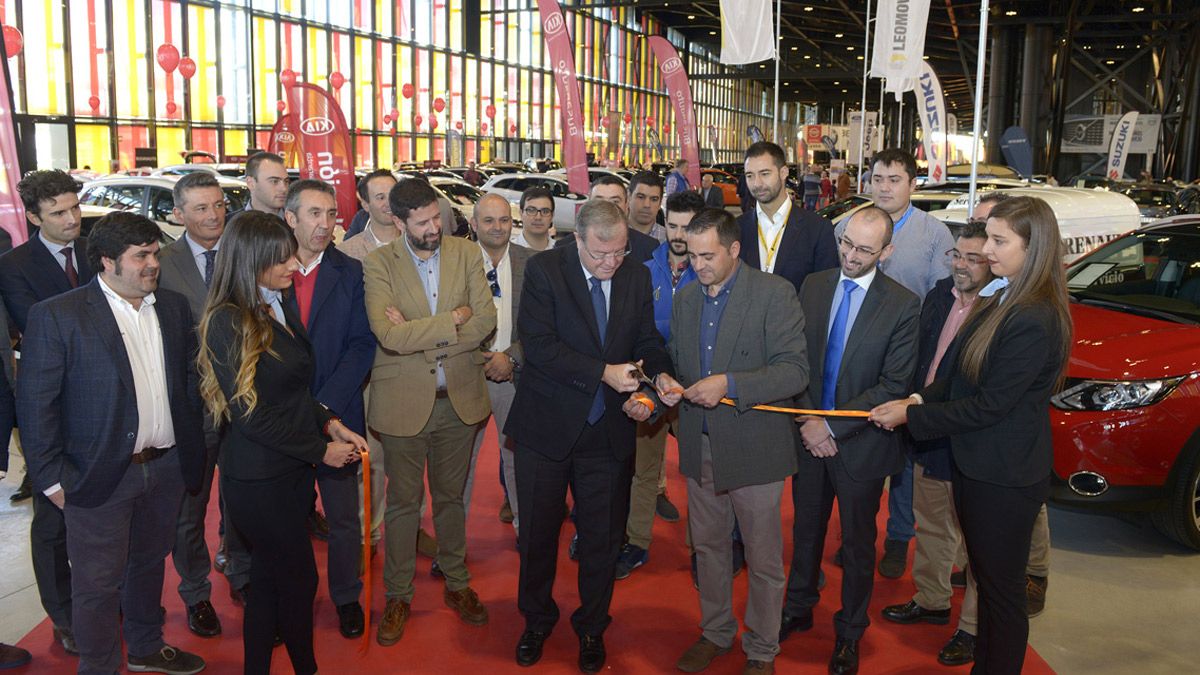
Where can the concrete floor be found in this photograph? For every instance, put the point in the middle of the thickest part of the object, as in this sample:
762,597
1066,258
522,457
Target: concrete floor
1121,599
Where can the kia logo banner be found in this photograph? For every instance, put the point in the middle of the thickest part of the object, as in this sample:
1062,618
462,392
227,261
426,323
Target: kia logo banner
558,44
680,93
317,126
322,148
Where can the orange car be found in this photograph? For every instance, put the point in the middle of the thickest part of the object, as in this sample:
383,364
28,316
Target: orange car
728,184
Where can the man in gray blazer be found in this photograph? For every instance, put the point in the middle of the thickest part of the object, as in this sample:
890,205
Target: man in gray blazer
738,334
504,267
862,349
186,267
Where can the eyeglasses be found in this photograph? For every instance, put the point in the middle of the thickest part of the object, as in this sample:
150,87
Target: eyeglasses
491,277
533,211
617,255
847,245
973,259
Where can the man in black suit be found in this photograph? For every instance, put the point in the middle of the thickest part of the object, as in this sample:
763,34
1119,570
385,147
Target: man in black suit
112,428
713,195
52,262
10,656
862,340
586,314
776,237
611,189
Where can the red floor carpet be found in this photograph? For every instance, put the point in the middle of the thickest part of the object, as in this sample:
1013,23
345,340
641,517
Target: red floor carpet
655,613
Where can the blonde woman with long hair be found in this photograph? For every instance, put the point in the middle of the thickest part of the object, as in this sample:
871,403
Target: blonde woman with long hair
255,366
991,397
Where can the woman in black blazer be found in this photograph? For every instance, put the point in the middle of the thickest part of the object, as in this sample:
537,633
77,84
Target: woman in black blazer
992,399
255,366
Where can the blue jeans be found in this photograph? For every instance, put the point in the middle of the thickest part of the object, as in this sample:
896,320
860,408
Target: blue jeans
810,202
900,524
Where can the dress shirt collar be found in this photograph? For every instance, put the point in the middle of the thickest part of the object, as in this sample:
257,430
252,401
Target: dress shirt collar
864,282
781,214
270,295
55,248
728,287
487,258
114,297
196,249
418,260
306,270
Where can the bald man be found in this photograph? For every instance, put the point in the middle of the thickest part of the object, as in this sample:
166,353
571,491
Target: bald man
504,266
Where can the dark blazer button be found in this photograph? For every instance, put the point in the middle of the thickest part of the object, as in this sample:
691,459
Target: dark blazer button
433,371
130,435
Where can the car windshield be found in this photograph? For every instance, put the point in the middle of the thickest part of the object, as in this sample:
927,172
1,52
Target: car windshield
1151,197
838,208
1154,273
460,194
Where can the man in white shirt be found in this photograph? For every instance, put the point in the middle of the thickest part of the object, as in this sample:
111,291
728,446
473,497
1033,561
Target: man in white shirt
537,218
112,427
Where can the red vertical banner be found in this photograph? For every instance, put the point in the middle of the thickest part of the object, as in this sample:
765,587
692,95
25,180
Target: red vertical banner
562,60
12,211
284,141
324,152
680,92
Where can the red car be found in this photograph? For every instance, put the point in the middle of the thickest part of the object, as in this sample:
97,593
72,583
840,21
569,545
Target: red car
1126,424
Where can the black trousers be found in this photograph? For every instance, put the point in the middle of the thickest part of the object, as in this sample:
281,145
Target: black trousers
271,515
813,489
51,569
599,483
997,525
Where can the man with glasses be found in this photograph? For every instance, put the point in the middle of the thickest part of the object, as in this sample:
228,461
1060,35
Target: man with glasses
917,262
537,217
504,269
586,317
861,331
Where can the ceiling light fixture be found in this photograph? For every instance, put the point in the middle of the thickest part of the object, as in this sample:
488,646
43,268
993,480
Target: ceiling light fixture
796,49
808,8
1011,12
1138,10
839,35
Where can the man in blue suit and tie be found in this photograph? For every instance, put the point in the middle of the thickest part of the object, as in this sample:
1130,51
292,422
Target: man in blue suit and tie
113,432
51,262
327,294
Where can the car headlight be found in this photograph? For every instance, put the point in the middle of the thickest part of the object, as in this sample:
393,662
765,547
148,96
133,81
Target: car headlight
1107,395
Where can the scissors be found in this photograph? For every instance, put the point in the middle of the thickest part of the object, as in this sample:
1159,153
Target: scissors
645,379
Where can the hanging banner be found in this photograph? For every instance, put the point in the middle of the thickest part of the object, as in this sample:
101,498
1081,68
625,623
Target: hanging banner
1018,152
323,141
284,140
747,31
1092,133
680,92
862,147
1120,146
932,110
562,59
12,211
899,42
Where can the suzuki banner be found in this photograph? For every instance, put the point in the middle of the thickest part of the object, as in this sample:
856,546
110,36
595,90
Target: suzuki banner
931,108
562,62
680,92
899,42
324,151
1120,146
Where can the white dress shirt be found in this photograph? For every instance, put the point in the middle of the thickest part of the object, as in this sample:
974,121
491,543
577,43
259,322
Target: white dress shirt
771,232
519,240
504,327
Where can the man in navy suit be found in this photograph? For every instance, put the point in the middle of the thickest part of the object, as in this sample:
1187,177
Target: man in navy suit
327,294
776,237
113,432
52,262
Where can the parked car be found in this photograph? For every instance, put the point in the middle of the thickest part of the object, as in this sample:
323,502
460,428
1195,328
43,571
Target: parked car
541,164
229,170
463,196
1154,202
1126,424
594,172
727,182
926,200
151,197
566,203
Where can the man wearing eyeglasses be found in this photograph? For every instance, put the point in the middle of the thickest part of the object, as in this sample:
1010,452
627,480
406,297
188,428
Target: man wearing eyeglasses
537,216
586,317
504,269
861,334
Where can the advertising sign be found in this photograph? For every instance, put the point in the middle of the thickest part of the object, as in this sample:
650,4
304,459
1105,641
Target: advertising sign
899,42
1092,133
680,92
931,108
1120,146
322,143
562,61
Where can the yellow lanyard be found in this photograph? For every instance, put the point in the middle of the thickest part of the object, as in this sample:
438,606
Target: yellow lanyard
762,238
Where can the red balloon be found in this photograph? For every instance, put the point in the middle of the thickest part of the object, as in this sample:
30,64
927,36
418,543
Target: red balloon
491,112
604,121
649,121
287,77
387,119
666,128
220,101
439,104
280,106
483,127
394,114
171,107
336,79
13,41
168,57
94,103
512,129
433,123
458,125
417,121
187,67
407,90
628,118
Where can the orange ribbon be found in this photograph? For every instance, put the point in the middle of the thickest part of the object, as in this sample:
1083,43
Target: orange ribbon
366,552
805,411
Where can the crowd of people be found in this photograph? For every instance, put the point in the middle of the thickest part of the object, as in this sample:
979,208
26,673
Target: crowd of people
258,349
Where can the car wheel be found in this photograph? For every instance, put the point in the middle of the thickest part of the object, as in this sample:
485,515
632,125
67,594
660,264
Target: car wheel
1181,519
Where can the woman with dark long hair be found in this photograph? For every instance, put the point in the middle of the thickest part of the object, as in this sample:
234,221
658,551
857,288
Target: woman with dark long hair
255,366
991,397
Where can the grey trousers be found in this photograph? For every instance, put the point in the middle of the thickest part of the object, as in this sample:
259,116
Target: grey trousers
501,394
711,515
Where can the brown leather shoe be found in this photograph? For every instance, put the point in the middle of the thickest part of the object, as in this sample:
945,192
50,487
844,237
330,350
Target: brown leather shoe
391,628
759,667
699,656
426,544
467,604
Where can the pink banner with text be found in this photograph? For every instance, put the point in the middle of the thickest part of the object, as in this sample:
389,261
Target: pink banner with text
680,92
562,62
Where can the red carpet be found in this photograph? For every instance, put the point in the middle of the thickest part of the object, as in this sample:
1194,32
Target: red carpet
655,613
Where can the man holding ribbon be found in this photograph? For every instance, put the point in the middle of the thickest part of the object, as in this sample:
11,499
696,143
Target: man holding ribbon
862,338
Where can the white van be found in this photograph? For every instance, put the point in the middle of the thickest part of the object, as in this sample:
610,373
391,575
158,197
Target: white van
1086,218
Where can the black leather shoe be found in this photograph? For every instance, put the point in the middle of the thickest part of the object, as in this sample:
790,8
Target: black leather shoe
350,620
845,657
24,492
591,653
202,619
435,571
911,612
960,650
794,624
529,648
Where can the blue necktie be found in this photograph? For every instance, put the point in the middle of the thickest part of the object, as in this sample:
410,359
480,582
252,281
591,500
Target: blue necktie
599,306
835,346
